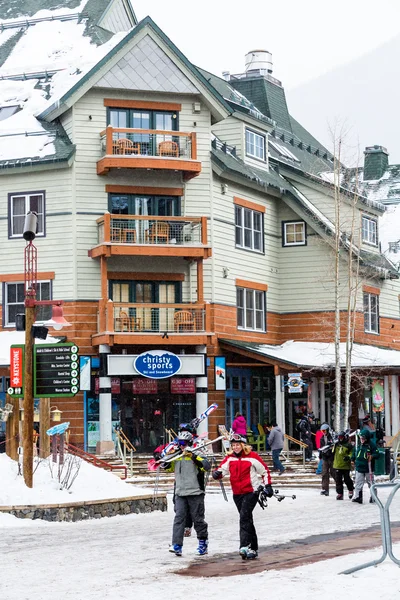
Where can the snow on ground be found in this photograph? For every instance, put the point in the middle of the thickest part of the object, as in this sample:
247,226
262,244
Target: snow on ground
127,557
91,483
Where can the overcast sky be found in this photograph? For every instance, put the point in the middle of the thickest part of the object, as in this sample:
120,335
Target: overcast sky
306,37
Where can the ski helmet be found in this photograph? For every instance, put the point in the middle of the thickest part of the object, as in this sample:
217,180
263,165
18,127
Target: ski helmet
236,437
343,435
185,436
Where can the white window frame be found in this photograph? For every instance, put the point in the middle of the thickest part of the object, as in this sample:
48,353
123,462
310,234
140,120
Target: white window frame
247,311
26,197
371,312
254,149
44,309
369,230
243,230
287,224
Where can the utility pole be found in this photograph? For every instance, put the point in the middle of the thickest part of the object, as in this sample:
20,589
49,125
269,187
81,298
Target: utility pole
29,235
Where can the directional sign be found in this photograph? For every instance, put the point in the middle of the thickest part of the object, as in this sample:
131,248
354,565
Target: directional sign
16,370
56,370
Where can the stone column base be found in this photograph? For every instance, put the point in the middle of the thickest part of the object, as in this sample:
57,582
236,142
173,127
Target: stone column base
105,447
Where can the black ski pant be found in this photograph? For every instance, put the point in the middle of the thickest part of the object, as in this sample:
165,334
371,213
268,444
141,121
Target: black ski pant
308,453
327,469
343,474
193,505
245,504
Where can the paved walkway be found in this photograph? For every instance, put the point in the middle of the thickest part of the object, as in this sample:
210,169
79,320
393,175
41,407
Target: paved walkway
293,554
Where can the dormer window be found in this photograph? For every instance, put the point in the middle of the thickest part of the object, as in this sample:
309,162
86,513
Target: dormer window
369,231
255,145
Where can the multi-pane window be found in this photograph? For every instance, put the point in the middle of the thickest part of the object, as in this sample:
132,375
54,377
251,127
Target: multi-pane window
248,229
369,231
294,233
19,206
255,145
250,309
14,297
371,313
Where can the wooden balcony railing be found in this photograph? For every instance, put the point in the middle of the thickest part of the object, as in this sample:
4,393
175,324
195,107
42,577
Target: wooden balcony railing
141,230
129,142
152,318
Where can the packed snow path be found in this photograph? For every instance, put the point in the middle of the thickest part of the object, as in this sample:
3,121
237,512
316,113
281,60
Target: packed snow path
127,557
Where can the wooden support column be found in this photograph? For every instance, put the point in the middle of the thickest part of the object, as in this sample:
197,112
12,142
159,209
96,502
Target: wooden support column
104,294
44,439
200,281
12,429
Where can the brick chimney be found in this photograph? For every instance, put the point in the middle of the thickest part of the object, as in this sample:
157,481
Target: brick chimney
376,161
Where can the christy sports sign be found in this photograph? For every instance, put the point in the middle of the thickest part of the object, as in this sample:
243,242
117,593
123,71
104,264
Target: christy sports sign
157,364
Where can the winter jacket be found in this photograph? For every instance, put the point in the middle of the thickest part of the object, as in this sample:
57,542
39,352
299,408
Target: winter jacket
189,474
326,440
342,452
361,454
304,428
275,438
318,437
239,426
245,471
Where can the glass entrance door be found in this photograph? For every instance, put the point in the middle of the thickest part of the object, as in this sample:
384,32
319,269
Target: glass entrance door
237,397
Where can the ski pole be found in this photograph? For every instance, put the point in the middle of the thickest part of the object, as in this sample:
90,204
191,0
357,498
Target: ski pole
223,490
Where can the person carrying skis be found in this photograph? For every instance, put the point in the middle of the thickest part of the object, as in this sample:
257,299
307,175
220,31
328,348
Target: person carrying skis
363,457
189,470
342,451
326,453
245,468
304,428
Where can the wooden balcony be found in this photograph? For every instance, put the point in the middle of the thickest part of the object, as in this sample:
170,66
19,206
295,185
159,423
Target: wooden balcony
148,149
134,235
152,324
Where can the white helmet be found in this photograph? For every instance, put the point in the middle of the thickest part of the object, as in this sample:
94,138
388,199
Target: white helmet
185,436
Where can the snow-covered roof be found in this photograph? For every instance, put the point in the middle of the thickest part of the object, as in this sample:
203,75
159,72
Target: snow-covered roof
10,338
322,355
42,56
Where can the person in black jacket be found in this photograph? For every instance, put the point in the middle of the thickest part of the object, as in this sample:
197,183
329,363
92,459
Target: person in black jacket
326,452
304,428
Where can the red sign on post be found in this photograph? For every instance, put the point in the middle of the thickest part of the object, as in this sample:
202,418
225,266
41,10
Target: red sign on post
184,385
115,385
16,371
144,386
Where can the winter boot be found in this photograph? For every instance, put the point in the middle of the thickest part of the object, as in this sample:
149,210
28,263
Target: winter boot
339,497
202,548
359,499
247,553
371,500
324,493
187,532
176,549
351,494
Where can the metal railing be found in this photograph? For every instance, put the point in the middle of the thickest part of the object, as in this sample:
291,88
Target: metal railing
152,230
125,450
129,142
303,446
97,462
158,318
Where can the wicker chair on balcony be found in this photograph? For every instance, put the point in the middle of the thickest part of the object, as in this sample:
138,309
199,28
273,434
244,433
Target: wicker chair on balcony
126,146
126,323
184,319
157,233
168,148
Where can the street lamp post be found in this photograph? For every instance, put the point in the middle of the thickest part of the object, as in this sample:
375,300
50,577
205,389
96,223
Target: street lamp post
57,321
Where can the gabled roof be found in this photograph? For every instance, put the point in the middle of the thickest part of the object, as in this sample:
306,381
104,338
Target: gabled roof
63,101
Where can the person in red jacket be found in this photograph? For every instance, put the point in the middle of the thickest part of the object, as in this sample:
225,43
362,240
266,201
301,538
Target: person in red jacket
245,468
239,425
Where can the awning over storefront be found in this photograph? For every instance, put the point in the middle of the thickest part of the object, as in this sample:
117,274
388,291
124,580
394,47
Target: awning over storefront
317,354
10,338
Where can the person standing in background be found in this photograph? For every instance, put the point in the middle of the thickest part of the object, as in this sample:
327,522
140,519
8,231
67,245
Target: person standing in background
239,425
275,442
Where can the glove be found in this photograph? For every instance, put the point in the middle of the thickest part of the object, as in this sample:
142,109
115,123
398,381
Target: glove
217,474
268,491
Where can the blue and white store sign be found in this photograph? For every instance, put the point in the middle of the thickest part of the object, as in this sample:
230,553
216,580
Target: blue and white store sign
157,364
